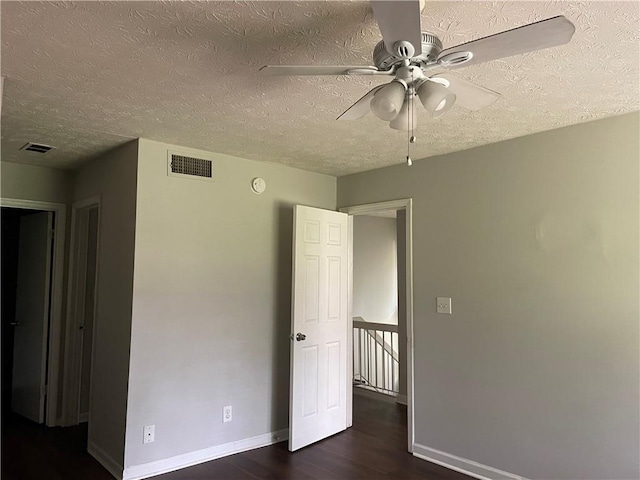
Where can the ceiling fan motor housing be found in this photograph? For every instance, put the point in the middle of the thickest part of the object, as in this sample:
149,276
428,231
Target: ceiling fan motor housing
431,47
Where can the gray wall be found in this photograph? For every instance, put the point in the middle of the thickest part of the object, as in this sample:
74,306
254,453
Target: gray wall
536,241
375,276
29,182
113,177
211,313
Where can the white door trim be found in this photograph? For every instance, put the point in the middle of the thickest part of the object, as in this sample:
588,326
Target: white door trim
73,352
367,209
57,287
350,321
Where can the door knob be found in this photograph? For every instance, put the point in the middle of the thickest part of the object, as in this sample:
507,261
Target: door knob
300,337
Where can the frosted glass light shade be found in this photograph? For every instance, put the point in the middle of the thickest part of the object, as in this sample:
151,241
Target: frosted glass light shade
387,101
436,98
408,116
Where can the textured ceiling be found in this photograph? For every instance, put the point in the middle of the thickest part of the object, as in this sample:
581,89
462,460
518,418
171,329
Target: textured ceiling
87,76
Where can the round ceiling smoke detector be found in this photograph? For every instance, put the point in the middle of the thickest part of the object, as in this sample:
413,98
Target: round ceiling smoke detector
258,185
455,58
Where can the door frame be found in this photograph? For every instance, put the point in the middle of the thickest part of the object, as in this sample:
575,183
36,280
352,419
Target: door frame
73,351
57,288
405,204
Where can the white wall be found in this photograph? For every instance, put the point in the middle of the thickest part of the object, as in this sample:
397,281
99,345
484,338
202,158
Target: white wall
211,311
113,177
536,241
375,271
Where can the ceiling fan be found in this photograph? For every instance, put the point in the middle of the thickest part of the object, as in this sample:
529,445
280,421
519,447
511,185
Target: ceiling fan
410,55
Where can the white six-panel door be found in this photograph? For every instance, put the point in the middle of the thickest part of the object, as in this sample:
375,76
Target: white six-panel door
318,403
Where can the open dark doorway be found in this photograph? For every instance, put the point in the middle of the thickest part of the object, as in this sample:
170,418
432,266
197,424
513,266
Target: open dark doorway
27,253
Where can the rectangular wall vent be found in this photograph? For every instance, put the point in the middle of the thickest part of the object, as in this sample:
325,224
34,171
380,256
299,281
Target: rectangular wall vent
36,147
195,167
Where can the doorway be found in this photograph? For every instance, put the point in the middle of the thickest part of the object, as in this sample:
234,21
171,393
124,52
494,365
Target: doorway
322,333
381,308
81,325
27,256
379,358
51,344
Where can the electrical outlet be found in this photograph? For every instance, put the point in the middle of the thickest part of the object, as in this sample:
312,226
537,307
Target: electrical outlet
149,435
443,305
226,414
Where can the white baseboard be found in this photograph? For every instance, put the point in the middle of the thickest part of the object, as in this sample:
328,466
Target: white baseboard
462,465
402,399
146,470
105,460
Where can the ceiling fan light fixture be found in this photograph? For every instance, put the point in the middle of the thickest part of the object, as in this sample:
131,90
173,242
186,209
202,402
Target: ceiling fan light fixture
387,102
407,119
435,98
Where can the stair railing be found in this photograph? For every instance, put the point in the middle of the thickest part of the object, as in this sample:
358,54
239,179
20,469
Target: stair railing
375,356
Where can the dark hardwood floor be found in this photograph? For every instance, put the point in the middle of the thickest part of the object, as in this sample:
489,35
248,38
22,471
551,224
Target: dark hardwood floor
31,451
375,448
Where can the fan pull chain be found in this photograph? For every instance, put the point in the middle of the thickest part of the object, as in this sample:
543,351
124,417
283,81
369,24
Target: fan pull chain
410,126
409,161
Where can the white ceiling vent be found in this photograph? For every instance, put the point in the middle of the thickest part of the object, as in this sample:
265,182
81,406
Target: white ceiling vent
36,147
184,166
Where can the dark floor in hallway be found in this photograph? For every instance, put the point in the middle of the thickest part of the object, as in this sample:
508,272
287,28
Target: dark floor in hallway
31,451
375,448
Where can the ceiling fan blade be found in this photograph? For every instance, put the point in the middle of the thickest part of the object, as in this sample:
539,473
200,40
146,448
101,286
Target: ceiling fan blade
399,20
468,95
361,107
318,70
528,38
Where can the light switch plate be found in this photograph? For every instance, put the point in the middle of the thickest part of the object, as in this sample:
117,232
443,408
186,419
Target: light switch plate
443,305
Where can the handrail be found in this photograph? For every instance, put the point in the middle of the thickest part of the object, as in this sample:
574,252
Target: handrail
384,327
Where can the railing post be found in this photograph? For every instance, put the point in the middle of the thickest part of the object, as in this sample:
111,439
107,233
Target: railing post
366,348
393,370
384,364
